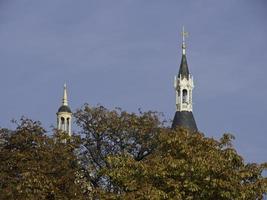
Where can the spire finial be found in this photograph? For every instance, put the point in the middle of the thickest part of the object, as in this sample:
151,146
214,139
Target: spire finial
65,96
184,34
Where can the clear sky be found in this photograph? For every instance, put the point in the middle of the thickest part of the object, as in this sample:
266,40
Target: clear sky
126,52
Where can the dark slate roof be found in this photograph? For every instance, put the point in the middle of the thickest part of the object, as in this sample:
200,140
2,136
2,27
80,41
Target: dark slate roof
184,119
184,71
64,109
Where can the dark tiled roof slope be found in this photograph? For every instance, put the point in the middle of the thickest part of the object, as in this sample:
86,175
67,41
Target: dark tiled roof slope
64,109
184,71
184,119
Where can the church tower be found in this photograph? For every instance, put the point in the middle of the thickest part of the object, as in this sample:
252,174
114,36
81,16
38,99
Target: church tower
64,114
184,85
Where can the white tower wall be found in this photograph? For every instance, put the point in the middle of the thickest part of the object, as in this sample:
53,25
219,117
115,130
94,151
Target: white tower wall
184,87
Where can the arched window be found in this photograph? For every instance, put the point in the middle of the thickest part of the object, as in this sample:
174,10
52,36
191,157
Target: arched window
68,125
185,96
62,125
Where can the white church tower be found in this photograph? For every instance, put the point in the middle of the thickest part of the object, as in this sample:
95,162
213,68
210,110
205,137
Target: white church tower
184,85
64,115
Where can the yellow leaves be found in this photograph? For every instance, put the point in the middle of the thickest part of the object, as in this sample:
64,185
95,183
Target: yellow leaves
192,187
188,166
36,165
207,178
127,156
226,195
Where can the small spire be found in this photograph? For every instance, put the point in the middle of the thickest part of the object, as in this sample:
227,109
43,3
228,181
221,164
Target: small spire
65,96
184,34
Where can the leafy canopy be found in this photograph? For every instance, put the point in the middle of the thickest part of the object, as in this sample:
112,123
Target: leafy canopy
121,155
188,166
35,166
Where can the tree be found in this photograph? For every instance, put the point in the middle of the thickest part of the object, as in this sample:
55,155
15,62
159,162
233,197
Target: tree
187,166
113,132
123,155
35,166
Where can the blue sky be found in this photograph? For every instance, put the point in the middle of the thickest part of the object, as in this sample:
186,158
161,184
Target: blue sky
126,52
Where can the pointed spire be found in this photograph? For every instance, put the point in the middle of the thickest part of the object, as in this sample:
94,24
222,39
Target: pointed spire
184,71
184,34
65,96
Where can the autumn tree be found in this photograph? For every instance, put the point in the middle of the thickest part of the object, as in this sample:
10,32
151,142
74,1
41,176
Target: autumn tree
187,166
112,132
36,166
121,155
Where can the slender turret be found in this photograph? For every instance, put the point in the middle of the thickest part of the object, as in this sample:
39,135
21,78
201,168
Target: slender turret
64,114
184,84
